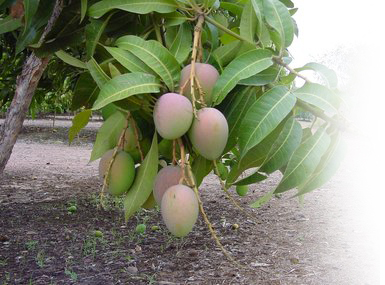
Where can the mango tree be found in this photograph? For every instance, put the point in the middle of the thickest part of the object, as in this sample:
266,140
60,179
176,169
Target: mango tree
187,87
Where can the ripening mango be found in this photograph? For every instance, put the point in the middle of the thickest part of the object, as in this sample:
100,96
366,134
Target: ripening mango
166,177
179,209
209,133
173,114
207,76
122,172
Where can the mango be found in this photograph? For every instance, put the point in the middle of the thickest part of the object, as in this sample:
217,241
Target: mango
173,115
207,76
179,209
209,133
167,177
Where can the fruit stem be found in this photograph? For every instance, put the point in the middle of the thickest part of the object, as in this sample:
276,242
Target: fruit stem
228,195
107,173
182,160
197,36
205,218
174,152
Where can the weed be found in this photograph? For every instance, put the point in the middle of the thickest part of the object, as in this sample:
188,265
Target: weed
31,245
72,274
40,258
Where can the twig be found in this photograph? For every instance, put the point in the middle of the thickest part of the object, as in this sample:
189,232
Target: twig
182,160
280,61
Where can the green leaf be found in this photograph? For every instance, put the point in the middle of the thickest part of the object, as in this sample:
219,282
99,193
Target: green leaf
155,55
126,85
287,142
233,8
69,59
255,156
319,96
288,3
327,74
201,167
182,43
327,167
173,19
83,9
128,60
304,160
30,8
264,77
85,93
9,24
106,136
278,17
134,6
238,106
264,116
244,66
94,31
78,123
114,71
97,73
143,183
248,23
251,179
226,53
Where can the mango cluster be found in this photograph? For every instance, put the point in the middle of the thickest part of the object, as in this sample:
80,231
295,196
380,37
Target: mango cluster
174,116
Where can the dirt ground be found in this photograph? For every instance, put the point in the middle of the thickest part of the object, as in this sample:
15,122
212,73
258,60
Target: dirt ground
333,238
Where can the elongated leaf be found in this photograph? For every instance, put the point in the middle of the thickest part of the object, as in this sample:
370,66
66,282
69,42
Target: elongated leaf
319,96
264,77
237,110
123,86
232,7
69,59
85,93
134,6
226,53
83,9
255,156
327,74
9,24
251,179
94,31
201,167
106,136
244,66
257,5
182,43
173,19
30,8
156,56
328,166
248,25
128,60
78,123
304,160
97,73
278,17
283,147
264,116
144,181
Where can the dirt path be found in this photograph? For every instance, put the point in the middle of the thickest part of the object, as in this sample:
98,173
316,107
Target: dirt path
332,239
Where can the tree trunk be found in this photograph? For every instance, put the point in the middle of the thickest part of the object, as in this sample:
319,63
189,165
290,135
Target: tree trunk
26,84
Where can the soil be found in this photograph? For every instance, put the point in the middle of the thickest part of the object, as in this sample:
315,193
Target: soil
330,238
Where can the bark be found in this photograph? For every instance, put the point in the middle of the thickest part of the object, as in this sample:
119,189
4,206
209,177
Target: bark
26,84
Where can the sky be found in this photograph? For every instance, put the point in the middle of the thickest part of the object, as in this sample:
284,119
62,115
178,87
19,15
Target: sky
357,27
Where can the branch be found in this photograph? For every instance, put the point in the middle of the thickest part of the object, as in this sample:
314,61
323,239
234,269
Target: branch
280,61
